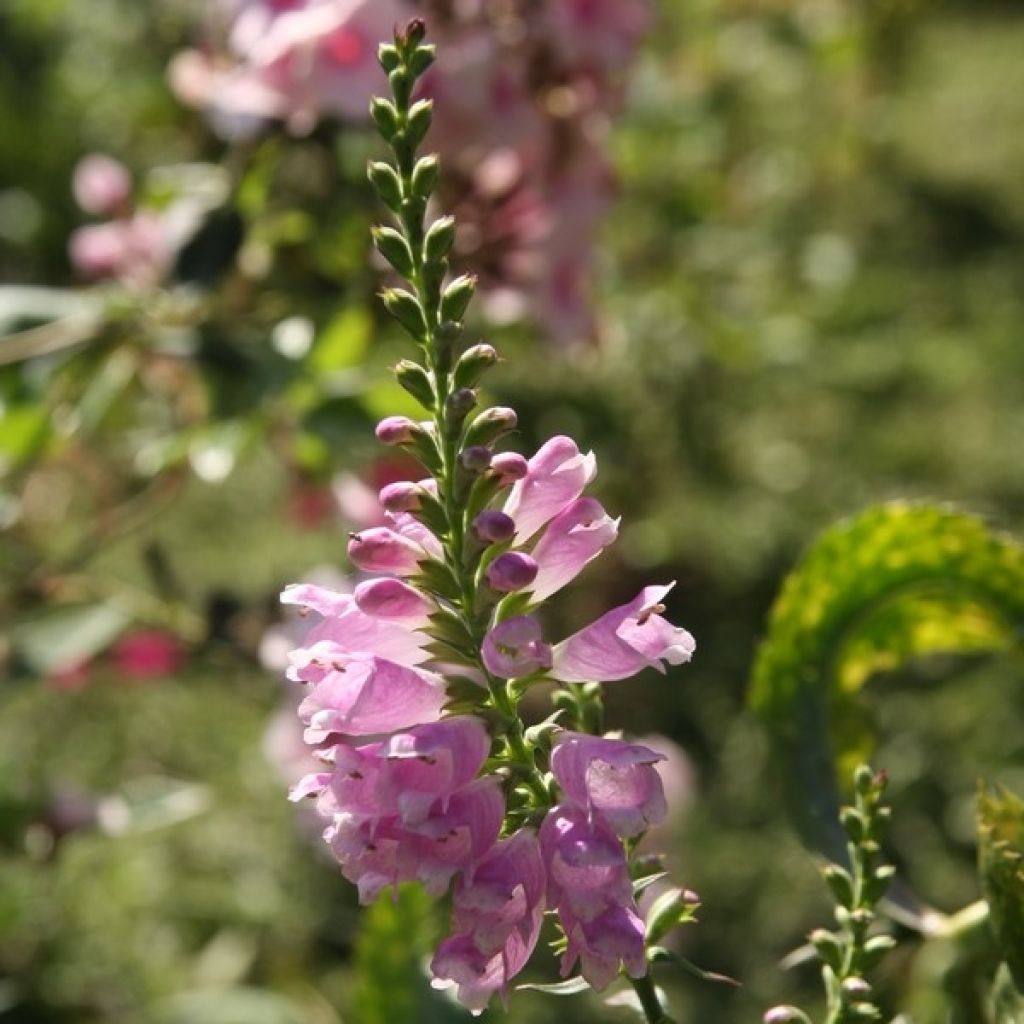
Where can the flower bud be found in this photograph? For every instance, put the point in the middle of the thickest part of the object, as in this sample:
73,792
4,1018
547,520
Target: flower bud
417,123
475,459
390,598
512,571
494,527
415,379
415,32
856,987
425,175
394,248
515,648
460,403
395,430
385,117
668,910
382,550
785,1015
402,496
406,309
401,85
439,239
386,183
491,424
473,363
101,185
829,948
388,56
509,466
456,297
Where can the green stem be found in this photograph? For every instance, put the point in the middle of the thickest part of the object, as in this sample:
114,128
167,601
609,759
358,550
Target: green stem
649,1001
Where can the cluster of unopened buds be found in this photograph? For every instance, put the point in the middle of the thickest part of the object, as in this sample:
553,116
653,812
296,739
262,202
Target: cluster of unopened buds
429,773
524,95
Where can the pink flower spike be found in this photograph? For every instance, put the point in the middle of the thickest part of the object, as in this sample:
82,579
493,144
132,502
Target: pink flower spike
390,598
576,536
555,476
380,549
625,640
611,778
515,648
511,571
101,184
366,696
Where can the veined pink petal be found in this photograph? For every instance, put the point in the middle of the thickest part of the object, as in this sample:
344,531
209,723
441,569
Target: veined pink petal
409,527
604,945
318,599
367,696
576,536
515,648
611,778
556,476
621,642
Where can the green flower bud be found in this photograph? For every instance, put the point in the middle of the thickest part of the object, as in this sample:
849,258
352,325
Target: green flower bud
415,379
490,425
425,174
439,239
456,297
856,988
840,884
421,59
459,404
405,308
828,947
388,56
418,122
394,248
385,117
386,183
472,364
668,910
401,85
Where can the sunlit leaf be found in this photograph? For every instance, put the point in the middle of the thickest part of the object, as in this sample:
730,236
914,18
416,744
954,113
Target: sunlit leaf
69,637
900,581
1001,864
571,987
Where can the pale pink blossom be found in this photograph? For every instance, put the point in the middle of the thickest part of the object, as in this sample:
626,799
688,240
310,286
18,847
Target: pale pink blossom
604,945
555,477
612,779
101,185
515,648
624,641
147,654
574,538
596,34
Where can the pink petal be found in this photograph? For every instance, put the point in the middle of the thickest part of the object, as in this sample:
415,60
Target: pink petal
576,536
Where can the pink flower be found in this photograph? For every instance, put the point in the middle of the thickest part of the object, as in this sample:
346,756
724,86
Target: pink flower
589,884
147,654
576,536
624,641
498,911
612,779
101,185
555,477
456,832
597,33
135,251
362,695
390,598
381,549
515,648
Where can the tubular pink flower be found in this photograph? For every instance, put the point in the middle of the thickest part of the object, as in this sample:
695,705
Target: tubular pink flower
511,571
555,476
623,641
401,496
362,695
350,631
392,599
604,945
576,536
381,549
612,779
455,833
498,911
515,648
101,184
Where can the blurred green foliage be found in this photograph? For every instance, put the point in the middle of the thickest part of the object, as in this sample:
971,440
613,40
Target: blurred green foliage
812,300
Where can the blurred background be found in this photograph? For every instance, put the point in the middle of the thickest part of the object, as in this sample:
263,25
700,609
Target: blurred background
765,257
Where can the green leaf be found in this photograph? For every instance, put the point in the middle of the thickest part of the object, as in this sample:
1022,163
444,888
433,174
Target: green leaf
899,581
661,955
66,638
1001,866
571,987
343,342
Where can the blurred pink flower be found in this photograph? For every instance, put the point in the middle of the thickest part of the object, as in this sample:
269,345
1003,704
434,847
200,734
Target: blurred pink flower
147,654
101,185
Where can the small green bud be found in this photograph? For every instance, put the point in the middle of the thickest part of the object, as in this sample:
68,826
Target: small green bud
459,404
388,56
876,885
405,308
864,780
401,85
457,296
417,123
439,239
395,249
490,425
828,947
853,822
414,34
862,917
386,183
668,910
472,364
385,117
855,988
840,884
876,948
415,379
863,1011
422,59
785,1015
425,174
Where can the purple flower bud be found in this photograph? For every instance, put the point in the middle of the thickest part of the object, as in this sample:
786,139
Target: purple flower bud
389,598
515,648
476,458
493,526
511,571
509,467
395,430
382,550
402,496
